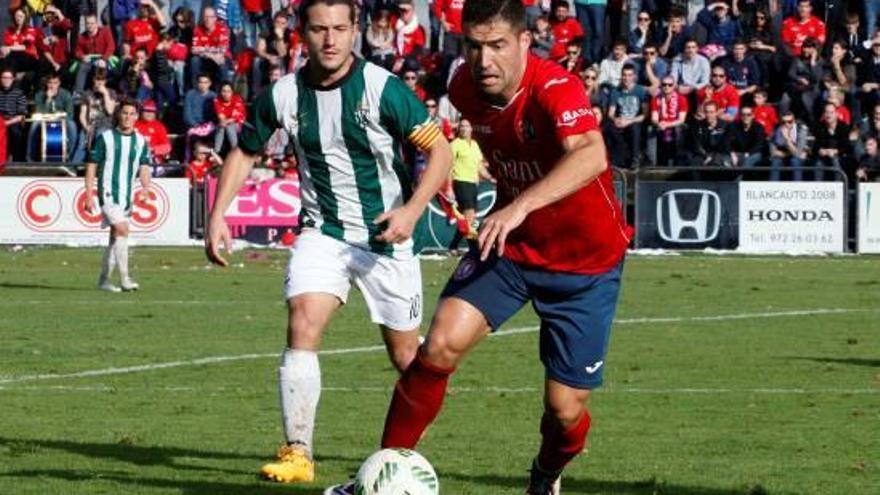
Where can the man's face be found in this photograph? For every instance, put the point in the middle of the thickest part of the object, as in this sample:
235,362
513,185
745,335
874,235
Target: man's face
431,105
127,117
690,49
711,112
804,10
718,78
410,78
619,52
747,115
329,35
573,51
204,84
871,147
406,12
830,114
148,116
668,86
561,13
6,80
677,24
209,18
274,74
53,84
91,25
628,78
739,52
760,99
496,55
140,57
144,12
853,26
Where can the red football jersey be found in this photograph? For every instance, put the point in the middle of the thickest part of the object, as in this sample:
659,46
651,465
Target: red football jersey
157,137
218,38
563,32
141,33
727,98
795,32
234,109
29,37
585,232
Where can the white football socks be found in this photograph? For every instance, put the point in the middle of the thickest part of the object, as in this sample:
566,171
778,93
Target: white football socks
299,385
120,249
107,264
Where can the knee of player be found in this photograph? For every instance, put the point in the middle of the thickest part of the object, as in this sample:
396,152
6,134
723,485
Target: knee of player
302,324
401,358
567,411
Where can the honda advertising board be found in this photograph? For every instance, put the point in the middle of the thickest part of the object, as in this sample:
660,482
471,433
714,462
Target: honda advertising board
869,217
686,215
262,212
53,211
791,216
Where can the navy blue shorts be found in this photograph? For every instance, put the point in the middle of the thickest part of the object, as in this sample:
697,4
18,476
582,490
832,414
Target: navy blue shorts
576,311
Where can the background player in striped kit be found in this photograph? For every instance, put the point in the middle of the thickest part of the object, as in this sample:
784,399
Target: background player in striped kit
348,119
118,156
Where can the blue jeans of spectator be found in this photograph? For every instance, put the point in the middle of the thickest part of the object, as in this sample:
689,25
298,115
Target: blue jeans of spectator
828,162
743,161
165,95
592,19
793,162
228,133
83,70
72,141
254,24
436,27
625,145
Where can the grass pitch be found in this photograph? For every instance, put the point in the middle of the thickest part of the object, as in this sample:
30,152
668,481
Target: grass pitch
726,375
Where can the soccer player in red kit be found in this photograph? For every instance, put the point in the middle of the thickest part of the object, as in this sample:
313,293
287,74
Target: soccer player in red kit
556,237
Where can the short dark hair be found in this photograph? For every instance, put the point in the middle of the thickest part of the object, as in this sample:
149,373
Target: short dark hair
304,7
484,11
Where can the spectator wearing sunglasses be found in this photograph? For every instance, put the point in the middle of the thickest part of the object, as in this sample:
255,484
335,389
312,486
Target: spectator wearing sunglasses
652,69
747,140
788,147
722,93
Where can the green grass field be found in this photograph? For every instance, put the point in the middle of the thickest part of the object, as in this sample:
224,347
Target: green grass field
726,375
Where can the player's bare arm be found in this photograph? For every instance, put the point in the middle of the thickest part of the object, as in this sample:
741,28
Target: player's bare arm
91,173
402,221
235,171
583,161
144,174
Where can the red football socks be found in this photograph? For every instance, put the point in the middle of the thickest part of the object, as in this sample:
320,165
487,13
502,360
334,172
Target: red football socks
418,397
559,446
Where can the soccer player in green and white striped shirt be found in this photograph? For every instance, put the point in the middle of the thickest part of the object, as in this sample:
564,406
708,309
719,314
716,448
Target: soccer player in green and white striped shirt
117,157
348,120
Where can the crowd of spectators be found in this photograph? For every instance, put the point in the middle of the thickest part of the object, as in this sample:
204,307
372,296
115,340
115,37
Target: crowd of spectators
789,85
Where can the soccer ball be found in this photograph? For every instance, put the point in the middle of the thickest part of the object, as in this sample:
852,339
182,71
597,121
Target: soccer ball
396,472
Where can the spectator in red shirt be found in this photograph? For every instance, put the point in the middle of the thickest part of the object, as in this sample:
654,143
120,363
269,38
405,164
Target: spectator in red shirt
204,160
765,114
55,49
722,93
143,31
410,35
450,16
20,43
154,131
796,29
210,48
565,29
94,48
669,111
255,19
231,112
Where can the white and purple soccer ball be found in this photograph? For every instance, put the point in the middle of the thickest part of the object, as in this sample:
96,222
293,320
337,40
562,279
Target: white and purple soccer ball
396,472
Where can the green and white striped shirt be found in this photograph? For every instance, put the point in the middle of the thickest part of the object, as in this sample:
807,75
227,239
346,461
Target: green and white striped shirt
348,138
118,157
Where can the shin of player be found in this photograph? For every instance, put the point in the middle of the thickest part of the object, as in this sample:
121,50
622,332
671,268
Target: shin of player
556,238
116,155
348,119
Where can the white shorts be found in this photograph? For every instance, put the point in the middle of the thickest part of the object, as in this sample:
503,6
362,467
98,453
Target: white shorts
113,214
392,288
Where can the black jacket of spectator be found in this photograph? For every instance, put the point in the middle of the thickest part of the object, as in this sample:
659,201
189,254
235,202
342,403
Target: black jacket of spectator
838,139
706,140
869,70
800,68
752,140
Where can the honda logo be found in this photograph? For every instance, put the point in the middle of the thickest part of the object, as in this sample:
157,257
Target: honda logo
688,216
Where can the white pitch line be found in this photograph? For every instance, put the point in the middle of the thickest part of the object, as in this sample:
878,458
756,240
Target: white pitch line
354,350
609,389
